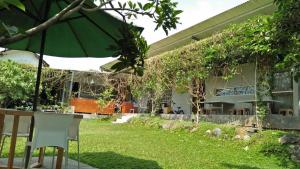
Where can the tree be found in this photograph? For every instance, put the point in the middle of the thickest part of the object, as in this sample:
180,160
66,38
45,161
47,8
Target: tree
162,12
287,39
17,83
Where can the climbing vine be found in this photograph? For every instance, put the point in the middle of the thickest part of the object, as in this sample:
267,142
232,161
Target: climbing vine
248,42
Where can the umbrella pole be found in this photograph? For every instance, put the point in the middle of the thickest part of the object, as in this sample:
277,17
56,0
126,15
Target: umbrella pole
36,94
37,84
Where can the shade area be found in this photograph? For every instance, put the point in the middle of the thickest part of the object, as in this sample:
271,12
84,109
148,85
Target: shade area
81,35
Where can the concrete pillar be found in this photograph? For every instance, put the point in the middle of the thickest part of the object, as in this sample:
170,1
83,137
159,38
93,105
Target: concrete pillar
296,99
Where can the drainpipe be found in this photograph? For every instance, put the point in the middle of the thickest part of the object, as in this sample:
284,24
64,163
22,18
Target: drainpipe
296,92
255,89
63,94
71,85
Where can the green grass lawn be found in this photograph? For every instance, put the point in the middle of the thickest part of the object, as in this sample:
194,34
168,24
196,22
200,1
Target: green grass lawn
129,146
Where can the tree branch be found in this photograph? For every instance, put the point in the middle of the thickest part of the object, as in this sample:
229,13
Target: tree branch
42,26
70,12
120,13
98,7
129,10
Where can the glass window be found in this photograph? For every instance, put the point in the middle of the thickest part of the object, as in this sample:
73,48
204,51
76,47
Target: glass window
283,81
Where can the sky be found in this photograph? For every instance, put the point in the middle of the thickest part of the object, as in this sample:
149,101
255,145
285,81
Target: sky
194,11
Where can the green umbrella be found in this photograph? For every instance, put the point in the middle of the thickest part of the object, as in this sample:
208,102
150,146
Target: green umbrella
82,34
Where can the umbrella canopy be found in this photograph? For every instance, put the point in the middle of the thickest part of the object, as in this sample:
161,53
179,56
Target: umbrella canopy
83,34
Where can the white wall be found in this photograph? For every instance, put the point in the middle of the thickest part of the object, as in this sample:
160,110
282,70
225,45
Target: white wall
22,57
246,77
182,100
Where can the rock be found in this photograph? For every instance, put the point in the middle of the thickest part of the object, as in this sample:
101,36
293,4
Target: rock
237,137
289,139
246,148
217,132
294,158
252,130
246,138
167,126
208,132
295,153
194,129
241,131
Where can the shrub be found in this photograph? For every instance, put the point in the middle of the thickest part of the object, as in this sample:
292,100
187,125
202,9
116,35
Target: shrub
17,84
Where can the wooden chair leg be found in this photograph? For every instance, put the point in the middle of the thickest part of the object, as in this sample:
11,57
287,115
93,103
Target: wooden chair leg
78,153
67,156
24,155
53,157
2,144
60,155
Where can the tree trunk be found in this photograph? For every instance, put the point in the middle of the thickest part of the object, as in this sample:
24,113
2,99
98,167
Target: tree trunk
197,91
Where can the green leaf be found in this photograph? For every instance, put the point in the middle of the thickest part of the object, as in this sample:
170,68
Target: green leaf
147,6
120,4
130,4
177,12
15,3
140,5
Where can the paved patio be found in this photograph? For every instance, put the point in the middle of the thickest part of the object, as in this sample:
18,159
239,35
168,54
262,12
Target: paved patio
48,162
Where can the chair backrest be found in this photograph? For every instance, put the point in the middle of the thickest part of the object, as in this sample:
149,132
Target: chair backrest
24,124
51,129
74,129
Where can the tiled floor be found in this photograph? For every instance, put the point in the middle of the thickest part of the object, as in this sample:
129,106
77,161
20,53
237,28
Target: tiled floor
48,162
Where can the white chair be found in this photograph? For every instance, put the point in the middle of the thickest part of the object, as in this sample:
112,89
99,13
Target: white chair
73,135
51,130
23,129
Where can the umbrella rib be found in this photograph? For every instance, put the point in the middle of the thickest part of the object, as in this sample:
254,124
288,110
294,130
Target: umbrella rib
77,38
99,27
75,33
34,7
36,23
71,18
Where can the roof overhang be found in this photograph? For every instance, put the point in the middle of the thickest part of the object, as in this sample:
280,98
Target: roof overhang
212,25
208,27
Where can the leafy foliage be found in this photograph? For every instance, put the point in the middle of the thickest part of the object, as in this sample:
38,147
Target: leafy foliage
163,12
105,97
52,81
16,3
287,19
17,83
132,49
246,42
287,23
